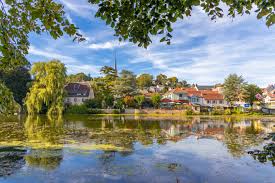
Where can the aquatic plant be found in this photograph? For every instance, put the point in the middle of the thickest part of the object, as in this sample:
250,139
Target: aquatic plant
268,152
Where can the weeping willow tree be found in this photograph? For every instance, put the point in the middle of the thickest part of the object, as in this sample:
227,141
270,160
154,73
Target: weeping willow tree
7,102
47,88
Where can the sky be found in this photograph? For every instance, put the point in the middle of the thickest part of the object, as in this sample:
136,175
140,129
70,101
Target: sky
202,51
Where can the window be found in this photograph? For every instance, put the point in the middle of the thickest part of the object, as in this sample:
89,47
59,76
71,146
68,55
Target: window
208,101
221,102
75,99
180,95
214,101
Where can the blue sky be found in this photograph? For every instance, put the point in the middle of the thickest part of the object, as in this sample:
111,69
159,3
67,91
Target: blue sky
202,51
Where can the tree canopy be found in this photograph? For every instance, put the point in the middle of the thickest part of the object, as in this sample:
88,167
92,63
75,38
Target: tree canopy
136,21
20,18
17,80
250,92
47,88
7,103
233,88
144,80
79,77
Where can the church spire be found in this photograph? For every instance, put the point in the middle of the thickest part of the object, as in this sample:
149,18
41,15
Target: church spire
115,64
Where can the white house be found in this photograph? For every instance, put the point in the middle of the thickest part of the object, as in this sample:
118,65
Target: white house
78,92
269,96
177,95
192,95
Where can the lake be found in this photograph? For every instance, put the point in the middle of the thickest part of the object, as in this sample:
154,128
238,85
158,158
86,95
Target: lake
80,149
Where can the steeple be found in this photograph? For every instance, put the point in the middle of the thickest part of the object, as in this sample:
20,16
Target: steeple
115,64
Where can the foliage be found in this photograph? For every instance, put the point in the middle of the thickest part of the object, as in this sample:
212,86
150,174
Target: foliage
7,102
17,80
140,100
104,86
156,98
47,87
250,92
19,19
109,100
172,82
144,81
227,112
137,20
79,77
161,79
77,109
129,101
93,103
118,104
125,84
268,152
217,111
237,110
188,110
233,86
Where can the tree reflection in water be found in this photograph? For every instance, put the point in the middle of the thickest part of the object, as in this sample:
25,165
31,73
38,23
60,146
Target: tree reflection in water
11,160
268,152
116,137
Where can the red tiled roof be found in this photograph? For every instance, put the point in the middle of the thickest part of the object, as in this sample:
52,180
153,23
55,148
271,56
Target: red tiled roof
212,96
166,100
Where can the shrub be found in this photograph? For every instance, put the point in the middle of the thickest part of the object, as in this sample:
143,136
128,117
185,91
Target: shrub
217,111
77,109
227,112
116,111
118,104
93,103
188,110
237,110
156,99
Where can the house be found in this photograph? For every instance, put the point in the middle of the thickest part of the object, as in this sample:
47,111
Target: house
269,96
78,92
156,89
177,95
193,96
213,99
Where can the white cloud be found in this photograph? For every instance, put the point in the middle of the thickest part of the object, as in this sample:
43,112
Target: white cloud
80,7
106,45
51,55
244,46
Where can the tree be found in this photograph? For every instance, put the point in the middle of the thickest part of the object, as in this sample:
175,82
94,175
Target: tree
136,21
172,82
140,99
183,83
104,86
233,86
250,92
20,18
17,80
47,88
144,81
79,77
7,102
129,101
156,98
125,85
161,79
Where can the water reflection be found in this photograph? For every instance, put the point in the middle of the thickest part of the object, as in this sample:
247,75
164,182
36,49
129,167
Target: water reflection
41,143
